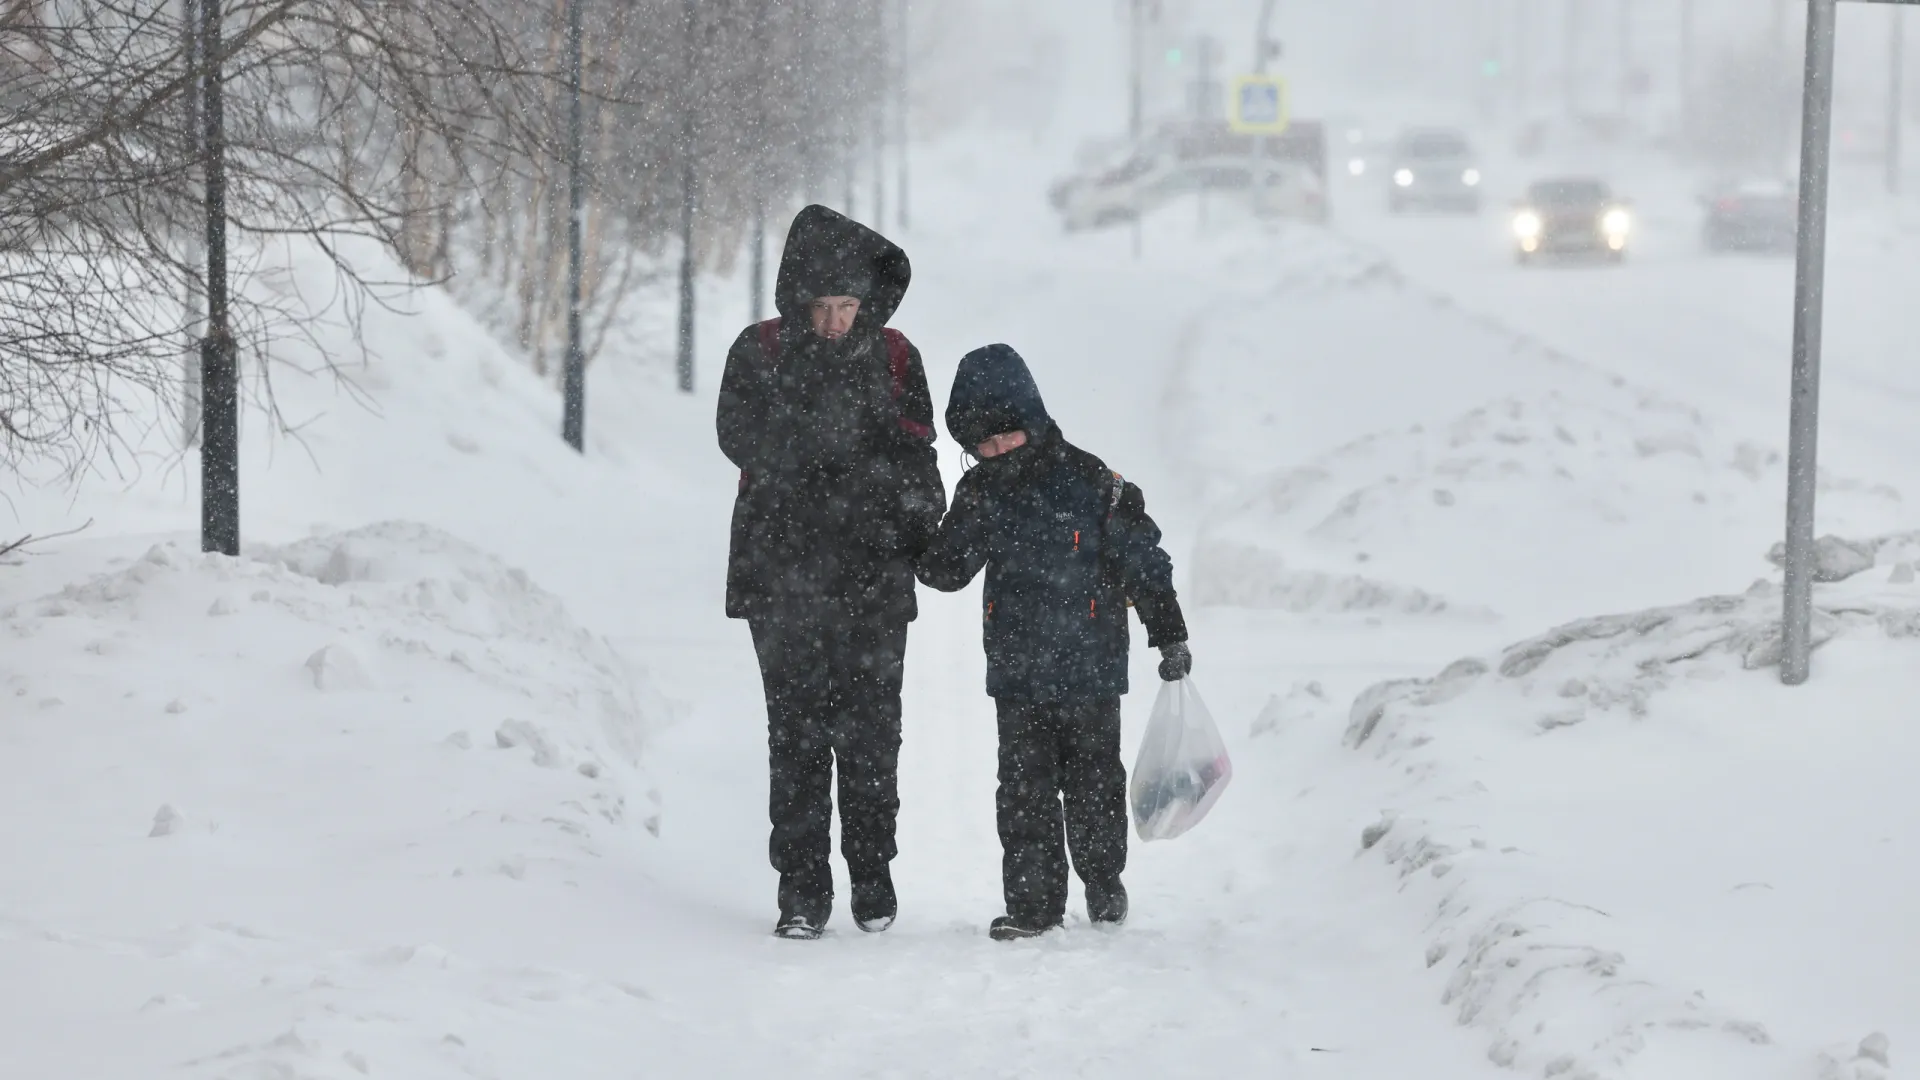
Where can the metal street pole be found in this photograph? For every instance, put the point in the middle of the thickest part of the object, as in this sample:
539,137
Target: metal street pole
684,361
1572,29
219,387
1687,27
1521,71
1626,56
1804,423
1134,104
901,105
1262,35
574,416
880,119
757,263
1896,78
195,311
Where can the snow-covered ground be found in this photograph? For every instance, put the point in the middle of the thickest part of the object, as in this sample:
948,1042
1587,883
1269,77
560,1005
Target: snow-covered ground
460,772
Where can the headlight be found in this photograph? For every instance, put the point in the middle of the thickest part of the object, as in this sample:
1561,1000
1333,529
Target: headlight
1404,177
1471,177
1357,167
1526,225
1616,223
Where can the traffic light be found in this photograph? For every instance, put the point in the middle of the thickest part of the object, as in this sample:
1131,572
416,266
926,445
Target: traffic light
1490,68
1174,56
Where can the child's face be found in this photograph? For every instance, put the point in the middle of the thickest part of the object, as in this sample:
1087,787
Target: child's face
1001,443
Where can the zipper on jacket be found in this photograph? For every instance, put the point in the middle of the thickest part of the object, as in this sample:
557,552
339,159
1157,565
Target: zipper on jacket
1093,608
1076,541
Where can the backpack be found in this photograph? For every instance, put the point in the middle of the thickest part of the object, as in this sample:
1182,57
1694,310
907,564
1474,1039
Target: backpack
1109,574
899,366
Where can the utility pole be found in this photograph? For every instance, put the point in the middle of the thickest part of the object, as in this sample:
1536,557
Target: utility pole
1687,28
573,422
902,105
1134,103
196,244
849,167
880,116
1521,32
1572,8
1625,59
1816,141
688,196
1136,14
1896,78
219,386
1264,47
757,262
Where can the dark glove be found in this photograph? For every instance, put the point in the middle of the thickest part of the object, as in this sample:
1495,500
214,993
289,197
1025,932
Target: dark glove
1176,661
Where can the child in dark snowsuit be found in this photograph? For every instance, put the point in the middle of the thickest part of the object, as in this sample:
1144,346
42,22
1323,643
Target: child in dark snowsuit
1068,547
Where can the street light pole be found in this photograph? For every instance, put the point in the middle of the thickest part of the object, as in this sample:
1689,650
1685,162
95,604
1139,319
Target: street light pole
219,387
880,118
196,247
684,360
1816,142
1686,72
1896,78
1136,14
573,422
900,107
1572,44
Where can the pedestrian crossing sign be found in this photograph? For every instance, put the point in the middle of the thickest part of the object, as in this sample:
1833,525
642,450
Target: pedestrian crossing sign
1260,105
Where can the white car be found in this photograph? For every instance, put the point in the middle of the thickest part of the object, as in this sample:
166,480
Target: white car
1433,169
1114,197
1272,188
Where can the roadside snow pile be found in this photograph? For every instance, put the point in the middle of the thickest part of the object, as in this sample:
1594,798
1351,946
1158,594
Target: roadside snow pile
1646,858
1495,459
1603,497
340,741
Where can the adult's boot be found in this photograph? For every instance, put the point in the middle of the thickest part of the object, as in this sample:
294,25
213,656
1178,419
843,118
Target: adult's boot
874,902
806,903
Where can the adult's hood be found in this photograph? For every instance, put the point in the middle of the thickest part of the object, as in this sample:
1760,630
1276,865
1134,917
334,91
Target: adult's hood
994,392
830,254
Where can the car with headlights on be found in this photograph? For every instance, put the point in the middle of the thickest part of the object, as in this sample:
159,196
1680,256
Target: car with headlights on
1433,169
1572,215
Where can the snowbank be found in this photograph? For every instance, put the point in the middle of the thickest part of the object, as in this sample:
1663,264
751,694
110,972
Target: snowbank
233,772
1644,857
1496,460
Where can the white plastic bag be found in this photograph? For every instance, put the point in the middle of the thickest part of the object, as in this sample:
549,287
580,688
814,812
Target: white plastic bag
1183,765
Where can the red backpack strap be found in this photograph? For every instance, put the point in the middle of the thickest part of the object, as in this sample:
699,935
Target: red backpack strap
770,339
900,366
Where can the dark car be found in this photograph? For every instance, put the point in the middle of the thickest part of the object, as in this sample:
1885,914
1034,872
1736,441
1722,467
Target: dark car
1433,169
1752,215
1571,215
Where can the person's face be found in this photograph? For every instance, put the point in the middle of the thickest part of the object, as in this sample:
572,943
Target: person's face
1001,443
833,315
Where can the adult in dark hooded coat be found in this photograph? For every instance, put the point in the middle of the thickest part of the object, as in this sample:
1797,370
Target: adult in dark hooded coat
827,414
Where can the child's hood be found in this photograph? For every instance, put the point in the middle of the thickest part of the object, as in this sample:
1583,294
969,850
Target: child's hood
994,392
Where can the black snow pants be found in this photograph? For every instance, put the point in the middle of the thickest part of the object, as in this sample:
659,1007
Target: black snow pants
1052,753
833,698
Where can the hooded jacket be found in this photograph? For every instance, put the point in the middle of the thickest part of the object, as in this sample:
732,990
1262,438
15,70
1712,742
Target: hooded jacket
1066,544
840,486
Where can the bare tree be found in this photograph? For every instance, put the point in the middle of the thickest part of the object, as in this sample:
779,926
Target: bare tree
430,126
335,110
